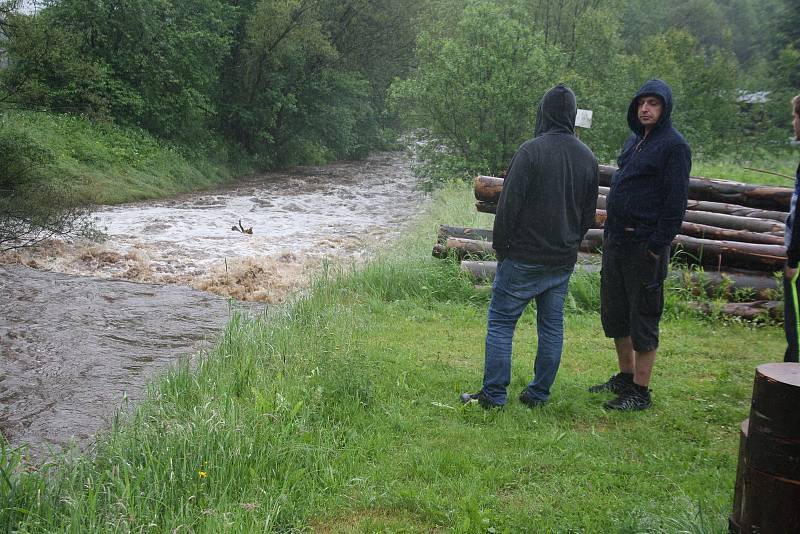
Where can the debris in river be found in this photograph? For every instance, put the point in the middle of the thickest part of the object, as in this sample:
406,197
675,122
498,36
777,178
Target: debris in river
258,279
241,228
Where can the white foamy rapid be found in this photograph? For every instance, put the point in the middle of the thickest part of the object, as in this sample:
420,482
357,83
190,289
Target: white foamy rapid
298,218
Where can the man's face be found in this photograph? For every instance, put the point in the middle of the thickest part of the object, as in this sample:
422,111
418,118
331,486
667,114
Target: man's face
649,109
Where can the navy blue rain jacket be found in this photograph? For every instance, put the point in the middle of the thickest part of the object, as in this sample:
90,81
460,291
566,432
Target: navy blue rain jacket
792,235
648,193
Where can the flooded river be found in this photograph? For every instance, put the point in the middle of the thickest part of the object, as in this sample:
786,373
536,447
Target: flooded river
83,325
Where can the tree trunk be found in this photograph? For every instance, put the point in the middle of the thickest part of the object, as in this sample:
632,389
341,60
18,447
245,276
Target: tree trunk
721,285
463,248
600,217
745,236
729,285
750,311
715,254
735,222
479,234
726,191
486,207
735,520
719,254
718,220
484,271
476,249
699,206
592,241
487,189
734,209
769,490
481,271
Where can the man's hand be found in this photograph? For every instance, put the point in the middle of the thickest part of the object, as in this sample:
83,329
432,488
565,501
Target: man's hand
789,272
653,255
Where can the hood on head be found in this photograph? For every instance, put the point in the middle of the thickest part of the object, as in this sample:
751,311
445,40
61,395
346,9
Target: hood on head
556,113
658,88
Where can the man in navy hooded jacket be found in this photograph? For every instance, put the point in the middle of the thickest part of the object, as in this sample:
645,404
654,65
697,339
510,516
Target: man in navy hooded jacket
645,209
791,308
547,203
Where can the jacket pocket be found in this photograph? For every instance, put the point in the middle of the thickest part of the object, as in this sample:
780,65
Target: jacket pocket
656,267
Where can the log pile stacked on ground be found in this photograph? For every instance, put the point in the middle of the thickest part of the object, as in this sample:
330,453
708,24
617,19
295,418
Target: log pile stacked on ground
728,226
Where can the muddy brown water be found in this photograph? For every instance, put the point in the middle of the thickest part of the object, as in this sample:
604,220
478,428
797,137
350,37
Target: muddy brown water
84,326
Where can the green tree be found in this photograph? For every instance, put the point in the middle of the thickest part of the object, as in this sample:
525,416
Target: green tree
152,63
46,71
280,68
306,80
704,20
705,106
602,79
32,206
376,39
788,55
753,25
474,94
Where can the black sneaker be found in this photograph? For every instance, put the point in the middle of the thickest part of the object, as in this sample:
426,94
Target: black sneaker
630,400
482,400
529,400
616,384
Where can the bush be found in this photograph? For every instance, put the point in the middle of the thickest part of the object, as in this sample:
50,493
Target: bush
474,94
32,208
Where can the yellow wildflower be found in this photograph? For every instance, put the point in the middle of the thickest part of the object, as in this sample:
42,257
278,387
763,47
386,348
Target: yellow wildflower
202,474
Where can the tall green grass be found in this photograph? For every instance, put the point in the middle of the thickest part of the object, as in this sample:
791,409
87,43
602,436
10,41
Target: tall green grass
758,167
106,164
339,413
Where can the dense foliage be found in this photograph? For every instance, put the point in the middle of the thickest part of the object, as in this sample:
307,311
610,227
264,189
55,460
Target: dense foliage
270,83
278,83
473,94
31,209
285,82
475,91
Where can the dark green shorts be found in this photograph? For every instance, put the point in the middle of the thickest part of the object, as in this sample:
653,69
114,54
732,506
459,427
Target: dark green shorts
632,292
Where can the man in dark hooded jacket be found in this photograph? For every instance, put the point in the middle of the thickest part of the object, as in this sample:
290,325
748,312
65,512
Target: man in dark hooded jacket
547,204
791,307
645,208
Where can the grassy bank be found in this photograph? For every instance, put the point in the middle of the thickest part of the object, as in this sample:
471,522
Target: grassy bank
106,164
340,414
757,168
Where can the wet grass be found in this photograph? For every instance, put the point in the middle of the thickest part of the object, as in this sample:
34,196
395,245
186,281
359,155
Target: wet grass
339,413
759,167
102,163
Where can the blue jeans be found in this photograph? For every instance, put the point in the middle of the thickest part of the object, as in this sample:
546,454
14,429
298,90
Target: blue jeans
515,285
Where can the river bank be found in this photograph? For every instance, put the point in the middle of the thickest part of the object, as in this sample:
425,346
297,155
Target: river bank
78,337
299,219
340,413
100,163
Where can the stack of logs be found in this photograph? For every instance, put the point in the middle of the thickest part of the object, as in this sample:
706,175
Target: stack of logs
734,230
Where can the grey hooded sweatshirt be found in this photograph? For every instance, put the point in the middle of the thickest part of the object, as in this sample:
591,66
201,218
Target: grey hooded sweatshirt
549,196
